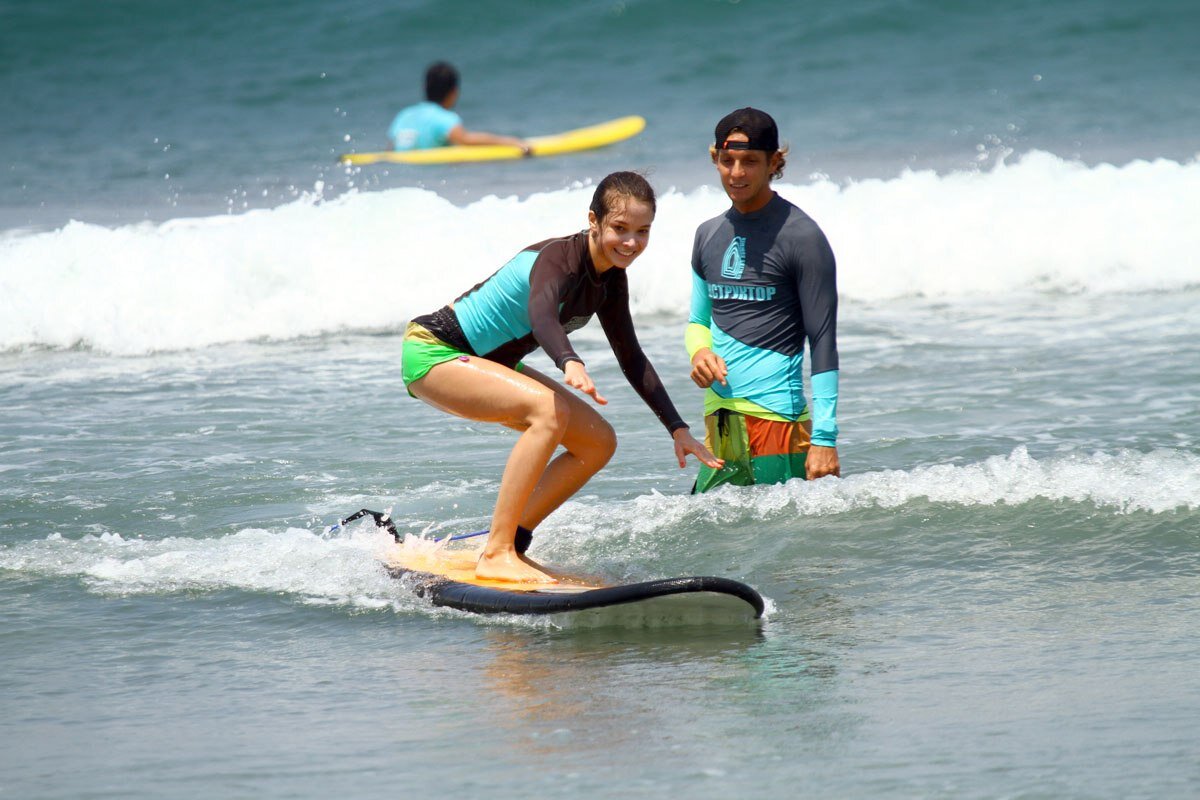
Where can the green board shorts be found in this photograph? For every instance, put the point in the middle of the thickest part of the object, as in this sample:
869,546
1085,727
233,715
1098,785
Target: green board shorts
755,450
422,351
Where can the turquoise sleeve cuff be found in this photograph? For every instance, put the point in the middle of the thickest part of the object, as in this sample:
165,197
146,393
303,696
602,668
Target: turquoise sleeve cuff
824,408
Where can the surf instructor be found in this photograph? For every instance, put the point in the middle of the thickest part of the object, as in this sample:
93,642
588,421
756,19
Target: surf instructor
764,281
465,359
433,123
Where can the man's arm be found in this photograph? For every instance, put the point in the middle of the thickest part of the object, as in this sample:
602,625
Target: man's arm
817,287
707,366
822,457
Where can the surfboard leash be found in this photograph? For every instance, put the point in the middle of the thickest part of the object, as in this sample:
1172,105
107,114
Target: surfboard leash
383,519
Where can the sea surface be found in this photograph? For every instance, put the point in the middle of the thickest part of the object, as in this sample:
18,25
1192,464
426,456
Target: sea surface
200,319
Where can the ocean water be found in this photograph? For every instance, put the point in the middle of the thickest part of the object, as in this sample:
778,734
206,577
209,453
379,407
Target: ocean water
200,318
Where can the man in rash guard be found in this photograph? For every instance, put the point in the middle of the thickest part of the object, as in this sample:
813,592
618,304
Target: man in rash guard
763,281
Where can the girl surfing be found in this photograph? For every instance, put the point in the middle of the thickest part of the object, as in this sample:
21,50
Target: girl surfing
465,359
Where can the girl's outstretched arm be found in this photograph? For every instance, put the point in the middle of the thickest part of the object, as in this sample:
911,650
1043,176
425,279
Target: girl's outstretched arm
685,443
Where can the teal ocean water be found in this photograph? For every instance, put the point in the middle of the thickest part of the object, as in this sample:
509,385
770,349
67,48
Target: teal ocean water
200,318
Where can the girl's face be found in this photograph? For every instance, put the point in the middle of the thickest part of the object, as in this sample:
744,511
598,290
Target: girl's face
622,235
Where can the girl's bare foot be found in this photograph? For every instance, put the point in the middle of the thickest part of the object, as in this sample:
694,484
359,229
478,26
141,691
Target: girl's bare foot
507,565
542,568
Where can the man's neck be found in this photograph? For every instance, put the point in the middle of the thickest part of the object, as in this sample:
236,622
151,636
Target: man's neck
757,204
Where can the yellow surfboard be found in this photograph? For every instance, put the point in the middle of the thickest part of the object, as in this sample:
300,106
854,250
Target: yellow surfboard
459,565
574,141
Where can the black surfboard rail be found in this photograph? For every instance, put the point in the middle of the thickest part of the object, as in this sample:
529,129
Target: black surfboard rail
486,600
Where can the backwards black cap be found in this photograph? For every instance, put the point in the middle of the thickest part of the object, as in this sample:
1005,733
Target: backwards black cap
757,125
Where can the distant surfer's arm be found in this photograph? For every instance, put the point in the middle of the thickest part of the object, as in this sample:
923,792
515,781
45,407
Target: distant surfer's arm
707,366
461,136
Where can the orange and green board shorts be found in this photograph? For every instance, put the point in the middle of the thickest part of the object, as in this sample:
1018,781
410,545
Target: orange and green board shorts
755,450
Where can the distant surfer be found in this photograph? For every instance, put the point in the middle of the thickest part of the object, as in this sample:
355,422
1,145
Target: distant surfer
763,280
466,359
432,123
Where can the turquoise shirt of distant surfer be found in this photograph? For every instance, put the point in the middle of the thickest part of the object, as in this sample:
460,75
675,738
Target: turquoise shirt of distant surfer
764,281
466,359
432,123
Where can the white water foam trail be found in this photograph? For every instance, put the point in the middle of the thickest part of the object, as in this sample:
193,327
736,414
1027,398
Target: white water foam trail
344,570
317,570
1124,482
371,261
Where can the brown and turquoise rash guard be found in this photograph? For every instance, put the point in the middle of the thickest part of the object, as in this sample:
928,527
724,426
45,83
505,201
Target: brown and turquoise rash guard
545,292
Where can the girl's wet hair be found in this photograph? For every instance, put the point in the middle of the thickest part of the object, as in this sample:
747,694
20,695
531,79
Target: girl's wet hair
621,185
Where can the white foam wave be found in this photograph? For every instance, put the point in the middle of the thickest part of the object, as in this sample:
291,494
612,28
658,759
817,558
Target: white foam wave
651,529
1124,482
370,261
316,570
341,571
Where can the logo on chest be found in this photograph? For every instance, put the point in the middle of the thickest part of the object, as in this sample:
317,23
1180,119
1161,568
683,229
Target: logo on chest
734,262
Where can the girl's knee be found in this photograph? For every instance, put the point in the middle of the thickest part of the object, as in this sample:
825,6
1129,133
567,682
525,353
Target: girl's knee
602,442
551,412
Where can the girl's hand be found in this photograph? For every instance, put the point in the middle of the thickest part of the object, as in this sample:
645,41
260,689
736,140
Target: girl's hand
576,376
686,443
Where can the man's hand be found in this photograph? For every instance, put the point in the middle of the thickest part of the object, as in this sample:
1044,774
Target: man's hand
821,461
708,367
